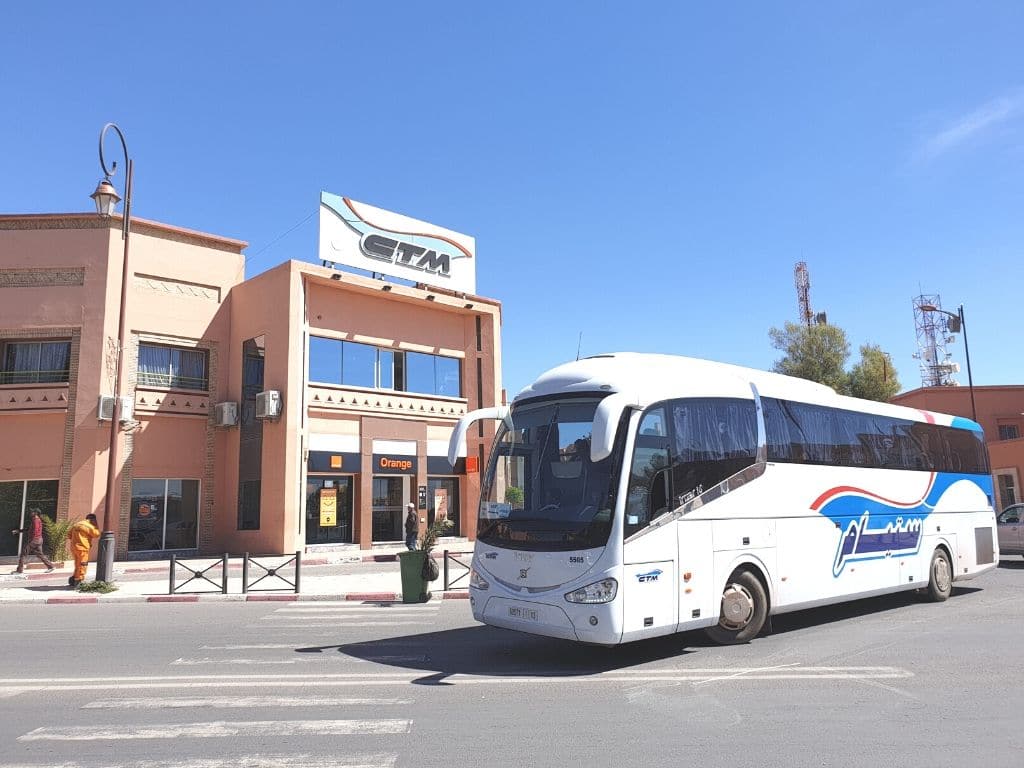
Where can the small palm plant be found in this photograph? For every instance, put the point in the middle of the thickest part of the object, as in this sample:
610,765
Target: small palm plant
430,536
55,533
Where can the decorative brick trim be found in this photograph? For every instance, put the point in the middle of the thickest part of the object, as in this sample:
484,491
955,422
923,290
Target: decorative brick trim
41,277
322,398
178,288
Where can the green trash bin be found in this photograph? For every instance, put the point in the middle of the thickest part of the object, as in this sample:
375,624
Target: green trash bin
414,586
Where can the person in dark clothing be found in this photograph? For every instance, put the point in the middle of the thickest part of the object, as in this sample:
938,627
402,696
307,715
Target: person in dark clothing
33,543
412,526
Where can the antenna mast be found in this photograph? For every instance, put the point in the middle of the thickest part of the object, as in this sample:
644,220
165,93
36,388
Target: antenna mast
937,368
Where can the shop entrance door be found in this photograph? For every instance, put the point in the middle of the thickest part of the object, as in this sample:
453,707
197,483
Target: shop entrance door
341,530
390,494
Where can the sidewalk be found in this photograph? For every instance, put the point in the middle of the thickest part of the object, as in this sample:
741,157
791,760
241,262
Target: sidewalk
149,581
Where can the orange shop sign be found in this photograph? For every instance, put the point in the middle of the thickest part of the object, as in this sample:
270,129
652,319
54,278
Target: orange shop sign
395,464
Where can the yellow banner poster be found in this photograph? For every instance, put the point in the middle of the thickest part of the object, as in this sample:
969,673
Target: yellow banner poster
328,507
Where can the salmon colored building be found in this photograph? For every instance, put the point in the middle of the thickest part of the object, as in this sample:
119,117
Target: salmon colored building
1000,411
304,407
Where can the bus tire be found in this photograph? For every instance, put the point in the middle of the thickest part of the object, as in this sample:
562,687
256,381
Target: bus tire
940,576
744,609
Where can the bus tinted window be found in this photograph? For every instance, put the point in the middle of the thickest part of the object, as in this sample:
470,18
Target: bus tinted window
814,434
713,438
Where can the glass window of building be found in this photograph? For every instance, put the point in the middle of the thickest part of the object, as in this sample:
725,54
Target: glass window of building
250,436
419,372
172,367
35,362
359,365
341,530
325,360
1008,432
164,515
443,502
350,364
16,499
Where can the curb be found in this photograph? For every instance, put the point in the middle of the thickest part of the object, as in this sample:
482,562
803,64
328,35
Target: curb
216,597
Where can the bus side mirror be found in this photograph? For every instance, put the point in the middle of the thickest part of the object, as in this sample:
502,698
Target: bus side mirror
606,422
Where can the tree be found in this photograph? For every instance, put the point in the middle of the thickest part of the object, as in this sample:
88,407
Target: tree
874,378
819,353
815,352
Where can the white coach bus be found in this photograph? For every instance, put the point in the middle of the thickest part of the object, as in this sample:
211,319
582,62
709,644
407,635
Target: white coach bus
634,495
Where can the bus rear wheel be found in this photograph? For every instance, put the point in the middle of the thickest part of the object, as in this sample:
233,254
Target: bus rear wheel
940,577
744,610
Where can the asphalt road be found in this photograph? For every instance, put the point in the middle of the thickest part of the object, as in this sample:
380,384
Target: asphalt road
881,682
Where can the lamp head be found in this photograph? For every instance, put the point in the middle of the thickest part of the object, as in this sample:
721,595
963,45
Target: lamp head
105,197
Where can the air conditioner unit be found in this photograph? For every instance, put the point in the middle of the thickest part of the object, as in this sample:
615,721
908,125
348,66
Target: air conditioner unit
225,414
105,408
268,404
127,408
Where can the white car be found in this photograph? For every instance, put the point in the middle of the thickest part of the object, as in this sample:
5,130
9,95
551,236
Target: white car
1011,530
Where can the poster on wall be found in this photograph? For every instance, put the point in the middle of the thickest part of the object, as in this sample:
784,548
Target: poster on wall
441,504
328,507
362,236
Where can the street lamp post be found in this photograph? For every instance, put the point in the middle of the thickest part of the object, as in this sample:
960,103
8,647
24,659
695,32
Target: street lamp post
106,199
957,324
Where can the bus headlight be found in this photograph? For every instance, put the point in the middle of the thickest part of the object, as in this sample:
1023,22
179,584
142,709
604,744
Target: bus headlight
477,581
602,591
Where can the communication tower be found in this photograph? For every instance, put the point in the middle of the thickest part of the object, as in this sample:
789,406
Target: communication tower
937,366
802,280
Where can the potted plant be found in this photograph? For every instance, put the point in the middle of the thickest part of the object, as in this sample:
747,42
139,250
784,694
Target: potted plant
418,567
55,533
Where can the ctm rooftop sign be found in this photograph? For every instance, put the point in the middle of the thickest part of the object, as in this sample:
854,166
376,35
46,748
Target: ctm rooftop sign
365,237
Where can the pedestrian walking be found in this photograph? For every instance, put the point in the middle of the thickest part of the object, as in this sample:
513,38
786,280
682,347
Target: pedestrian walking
412,527
81,536
33,542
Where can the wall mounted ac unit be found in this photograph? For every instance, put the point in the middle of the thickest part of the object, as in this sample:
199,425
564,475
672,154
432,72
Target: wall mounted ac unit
268,404
225,414
105,408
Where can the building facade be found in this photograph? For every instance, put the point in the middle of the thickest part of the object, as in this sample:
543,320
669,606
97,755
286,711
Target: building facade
1000,412
300,408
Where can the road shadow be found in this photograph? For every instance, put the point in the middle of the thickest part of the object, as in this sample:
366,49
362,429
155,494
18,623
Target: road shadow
492,652
1012,565
51,588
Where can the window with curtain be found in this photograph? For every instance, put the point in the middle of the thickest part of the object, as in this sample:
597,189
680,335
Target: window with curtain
35,362
173,367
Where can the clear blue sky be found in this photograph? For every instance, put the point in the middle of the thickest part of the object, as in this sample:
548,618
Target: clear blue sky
644,173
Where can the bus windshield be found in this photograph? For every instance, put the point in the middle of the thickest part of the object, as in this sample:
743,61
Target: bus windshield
541,491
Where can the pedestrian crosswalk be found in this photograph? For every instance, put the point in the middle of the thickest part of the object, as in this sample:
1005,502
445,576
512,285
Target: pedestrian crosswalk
282,698
329,614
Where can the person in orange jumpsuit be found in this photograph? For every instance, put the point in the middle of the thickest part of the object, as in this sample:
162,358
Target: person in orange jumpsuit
81,536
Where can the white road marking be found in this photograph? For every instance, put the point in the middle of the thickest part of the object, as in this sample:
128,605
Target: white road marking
243,761
332,657
220,728
322,624
13,686
241,702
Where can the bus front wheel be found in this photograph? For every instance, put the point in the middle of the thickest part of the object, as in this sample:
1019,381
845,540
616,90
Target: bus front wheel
940,577
744,610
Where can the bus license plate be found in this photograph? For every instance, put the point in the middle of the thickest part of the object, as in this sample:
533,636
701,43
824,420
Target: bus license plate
527,614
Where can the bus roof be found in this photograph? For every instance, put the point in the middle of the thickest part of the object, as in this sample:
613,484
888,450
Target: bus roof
649,378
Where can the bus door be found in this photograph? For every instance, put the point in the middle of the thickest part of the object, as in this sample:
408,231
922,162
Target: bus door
649,578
